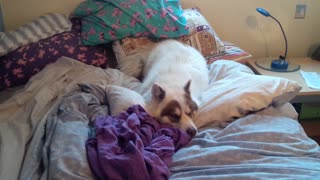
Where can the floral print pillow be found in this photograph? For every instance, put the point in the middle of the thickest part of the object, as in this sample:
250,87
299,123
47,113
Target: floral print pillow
17,67
106,21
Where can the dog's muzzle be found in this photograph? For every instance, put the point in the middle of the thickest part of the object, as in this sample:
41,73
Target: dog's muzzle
192,131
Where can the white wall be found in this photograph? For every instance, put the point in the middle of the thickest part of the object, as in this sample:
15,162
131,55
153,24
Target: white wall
234,20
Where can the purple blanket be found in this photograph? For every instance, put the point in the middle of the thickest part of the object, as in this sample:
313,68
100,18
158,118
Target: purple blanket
133,145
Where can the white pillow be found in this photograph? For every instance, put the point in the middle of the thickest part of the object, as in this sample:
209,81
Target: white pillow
235,92
121,98
222,68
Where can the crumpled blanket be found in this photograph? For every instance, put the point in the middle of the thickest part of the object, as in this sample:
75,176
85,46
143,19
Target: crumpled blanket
44,126
105,21
264,145
133,145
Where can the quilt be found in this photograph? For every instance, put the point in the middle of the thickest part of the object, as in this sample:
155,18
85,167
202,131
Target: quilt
44,129
266,145
31,135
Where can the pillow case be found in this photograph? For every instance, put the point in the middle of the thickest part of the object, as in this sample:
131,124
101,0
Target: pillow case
41,28
221,69
121,98
106,21
235,91
118,98
233,53
17,67
201,34
131,52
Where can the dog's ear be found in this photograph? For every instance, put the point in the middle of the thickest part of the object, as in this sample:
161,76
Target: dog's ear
187,87
158,92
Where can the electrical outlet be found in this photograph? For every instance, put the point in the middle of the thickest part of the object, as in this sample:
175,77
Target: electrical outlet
300,11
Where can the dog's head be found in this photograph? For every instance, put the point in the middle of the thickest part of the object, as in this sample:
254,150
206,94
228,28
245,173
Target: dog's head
174,105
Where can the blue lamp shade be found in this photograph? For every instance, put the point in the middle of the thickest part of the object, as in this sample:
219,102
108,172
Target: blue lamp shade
263,12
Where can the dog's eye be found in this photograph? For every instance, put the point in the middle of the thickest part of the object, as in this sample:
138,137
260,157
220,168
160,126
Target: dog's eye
174,117
190,114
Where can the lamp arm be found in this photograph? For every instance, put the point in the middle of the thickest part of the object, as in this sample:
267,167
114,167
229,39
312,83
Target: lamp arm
284,35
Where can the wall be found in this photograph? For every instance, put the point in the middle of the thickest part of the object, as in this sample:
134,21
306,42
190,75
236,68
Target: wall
18,12
233,20
239,22
1,21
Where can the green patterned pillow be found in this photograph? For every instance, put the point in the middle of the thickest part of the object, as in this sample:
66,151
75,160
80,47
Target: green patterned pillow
105,21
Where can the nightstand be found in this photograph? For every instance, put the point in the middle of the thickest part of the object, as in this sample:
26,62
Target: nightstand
306,95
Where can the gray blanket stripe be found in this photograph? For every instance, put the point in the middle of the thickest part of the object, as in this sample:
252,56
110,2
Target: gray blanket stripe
41,28
23,35
49,22
57,20
33,31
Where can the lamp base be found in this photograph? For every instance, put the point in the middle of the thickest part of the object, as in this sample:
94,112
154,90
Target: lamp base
277,65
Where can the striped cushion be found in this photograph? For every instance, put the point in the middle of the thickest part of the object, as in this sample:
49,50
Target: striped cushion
40,28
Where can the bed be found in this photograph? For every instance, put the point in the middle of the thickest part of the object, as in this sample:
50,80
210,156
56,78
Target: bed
74,111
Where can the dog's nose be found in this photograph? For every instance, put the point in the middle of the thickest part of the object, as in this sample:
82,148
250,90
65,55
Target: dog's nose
192,131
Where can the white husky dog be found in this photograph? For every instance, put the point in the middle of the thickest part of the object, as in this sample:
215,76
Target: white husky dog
174,77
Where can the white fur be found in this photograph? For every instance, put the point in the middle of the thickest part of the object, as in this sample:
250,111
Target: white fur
171,65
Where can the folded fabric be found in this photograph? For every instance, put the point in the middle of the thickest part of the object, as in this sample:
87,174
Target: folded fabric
41,28
106,21
133,145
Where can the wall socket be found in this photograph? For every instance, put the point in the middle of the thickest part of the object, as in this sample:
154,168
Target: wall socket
300,11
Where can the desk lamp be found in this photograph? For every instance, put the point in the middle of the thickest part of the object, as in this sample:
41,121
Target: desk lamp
281,64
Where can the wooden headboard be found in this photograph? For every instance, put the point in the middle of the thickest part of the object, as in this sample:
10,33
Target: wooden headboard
18,12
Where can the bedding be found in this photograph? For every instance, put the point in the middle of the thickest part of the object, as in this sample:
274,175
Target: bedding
57,103
131,142
56,117
106,21
50,128
202,35
41,28
131,52
232,81
31,134
233,53
266,145
122,98
18,66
